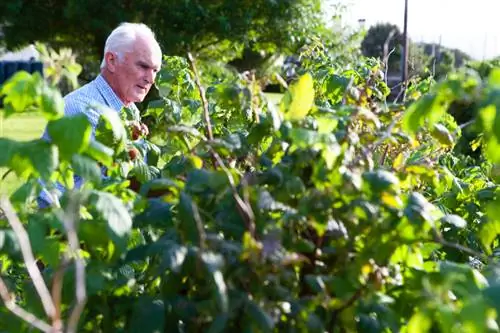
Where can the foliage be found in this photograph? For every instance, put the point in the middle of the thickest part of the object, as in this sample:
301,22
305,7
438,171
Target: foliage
218,28
384,41
335,211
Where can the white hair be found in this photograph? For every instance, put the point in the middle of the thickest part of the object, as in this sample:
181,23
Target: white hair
122,38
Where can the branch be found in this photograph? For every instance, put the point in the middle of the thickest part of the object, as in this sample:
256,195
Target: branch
28,257
199,226
70,219
245,210
350,301
20,312
57,284
203,96
440,240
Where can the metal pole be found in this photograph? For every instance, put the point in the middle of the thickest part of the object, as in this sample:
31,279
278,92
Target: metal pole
404,76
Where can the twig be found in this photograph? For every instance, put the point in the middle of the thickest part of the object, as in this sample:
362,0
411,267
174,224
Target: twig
203,96
349,85
199,226
70,219
350,301
245,210
464,125
440,240
57,283
20,312
28,257
386,63
281,80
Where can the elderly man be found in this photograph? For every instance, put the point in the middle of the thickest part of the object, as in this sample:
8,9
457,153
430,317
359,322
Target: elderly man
132,58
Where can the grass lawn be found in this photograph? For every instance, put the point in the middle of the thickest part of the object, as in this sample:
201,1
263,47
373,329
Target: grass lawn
274,97
25,126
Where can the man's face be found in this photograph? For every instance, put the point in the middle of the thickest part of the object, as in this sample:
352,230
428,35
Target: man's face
136,71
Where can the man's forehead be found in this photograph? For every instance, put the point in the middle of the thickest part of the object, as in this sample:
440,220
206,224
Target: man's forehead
150,51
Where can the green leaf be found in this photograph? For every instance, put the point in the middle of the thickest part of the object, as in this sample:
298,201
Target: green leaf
142,172
300,100
419,323
213,263
100,153
114,213
335,86
36,157
157,213
428,109
442,135
110,130
260,317
382,180
86,168
188,226
148,316
8,147
9,243
173,255
51,103
44,156
20,91
219,324
70,134
163,185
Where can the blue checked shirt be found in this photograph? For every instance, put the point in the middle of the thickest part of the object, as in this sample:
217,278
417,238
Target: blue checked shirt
79,101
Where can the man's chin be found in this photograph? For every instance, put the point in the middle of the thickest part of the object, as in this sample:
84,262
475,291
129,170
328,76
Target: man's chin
139,98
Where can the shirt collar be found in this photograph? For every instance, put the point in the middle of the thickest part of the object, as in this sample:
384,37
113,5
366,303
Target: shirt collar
108,94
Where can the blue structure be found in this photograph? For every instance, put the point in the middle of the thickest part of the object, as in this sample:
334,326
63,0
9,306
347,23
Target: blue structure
9,68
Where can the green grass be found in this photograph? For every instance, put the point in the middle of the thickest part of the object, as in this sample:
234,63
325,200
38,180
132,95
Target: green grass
274,97
26,126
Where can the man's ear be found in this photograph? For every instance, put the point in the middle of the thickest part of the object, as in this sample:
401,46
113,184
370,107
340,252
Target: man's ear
111,61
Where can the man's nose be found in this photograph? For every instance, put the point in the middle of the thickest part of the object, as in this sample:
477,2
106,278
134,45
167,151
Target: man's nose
150,76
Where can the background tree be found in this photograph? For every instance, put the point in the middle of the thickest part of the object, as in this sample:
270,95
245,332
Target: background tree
380,40
205,27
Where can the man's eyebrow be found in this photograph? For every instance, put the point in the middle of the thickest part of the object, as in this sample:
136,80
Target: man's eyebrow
145,64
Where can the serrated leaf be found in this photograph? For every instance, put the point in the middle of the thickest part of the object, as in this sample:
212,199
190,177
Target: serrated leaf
70,134
142,172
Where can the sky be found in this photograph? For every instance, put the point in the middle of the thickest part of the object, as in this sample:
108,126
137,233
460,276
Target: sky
472,26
